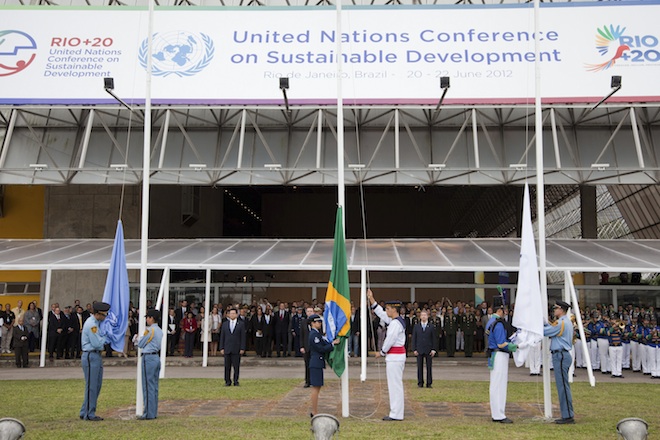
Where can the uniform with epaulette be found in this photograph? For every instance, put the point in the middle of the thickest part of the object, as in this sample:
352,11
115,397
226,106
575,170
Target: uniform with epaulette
615,336
593,344
150,343
602,328
653,354
499,347
451,327
561,342
435,320
469,328
626,337
93,340
643,332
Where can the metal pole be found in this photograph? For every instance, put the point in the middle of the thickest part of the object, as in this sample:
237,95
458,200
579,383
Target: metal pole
363,325
341,189
540,211
165,311
45,307
144,230
205,329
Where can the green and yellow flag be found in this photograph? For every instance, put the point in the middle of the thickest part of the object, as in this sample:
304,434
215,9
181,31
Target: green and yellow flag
338,299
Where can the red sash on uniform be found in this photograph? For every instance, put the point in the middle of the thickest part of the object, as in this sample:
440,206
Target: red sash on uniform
397,350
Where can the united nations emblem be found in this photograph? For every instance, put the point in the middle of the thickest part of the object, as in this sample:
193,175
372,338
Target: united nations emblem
179,53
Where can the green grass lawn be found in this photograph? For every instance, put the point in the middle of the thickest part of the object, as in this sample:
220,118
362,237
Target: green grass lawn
49,409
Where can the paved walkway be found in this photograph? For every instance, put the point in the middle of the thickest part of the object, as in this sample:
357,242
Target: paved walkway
458,368
369,400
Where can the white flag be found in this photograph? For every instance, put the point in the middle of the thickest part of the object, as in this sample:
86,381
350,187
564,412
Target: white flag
528,314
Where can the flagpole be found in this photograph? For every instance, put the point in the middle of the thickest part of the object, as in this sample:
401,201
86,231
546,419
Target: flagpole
165,312
363,324
341,186
540,209
144,231
580,324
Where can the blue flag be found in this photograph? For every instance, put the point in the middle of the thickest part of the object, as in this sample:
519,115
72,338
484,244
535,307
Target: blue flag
116,294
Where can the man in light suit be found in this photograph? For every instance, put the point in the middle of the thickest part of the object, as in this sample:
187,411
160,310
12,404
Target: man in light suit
425,346
232,345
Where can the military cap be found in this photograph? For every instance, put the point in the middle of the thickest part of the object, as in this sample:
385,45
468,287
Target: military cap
564,305
315,318
99,306
395,303
154,314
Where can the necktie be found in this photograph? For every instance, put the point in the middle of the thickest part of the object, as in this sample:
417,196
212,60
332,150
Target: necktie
281,314
21,327
423,327
233,325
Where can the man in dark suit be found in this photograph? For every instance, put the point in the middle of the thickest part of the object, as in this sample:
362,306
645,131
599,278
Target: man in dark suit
267,329
172,328
20,335
232,345
305,328
281,330
425,346
56,334
70,325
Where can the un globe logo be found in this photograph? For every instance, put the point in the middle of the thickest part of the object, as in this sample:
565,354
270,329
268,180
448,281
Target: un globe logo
17,51
179,53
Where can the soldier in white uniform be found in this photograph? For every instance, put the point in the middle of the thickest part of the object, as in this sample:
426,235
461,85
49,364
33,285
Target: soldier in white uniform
394,351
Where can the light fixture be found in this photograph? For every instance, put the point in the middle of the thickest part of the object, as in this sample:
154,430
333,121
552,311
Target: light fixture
197,166
118,166
39,166
437,166
356,166
615,84
284,85
444,85
109,86
273,166
600,166
518,166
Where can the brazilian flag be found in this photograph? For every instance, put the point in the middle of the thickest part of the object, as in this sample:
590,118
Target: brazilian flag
338,299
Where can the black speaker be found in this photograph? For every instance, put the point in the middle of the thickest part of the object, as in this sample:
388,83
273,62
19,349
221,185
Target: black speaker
109,83
284,83
616,81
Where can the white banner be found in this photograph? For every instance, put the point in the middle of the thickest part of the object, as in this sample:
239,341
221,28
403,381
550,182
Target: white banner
392,55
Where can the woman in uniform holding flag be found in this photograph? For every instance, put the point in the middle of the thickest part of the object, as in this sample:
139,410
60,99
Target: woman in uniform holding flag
318,346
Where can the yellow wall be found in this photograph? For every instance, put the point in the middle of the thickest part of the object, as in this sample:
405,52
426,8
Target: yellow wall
23,210
13,300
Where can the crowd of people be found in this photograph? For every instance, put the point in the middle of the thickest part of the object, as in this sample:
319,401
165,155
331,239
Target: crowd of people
276,330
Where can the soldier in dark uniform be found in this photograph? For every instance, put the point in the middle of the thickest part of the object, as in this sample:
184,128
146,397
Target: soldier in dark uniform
305,328
435,320
451,327
469,325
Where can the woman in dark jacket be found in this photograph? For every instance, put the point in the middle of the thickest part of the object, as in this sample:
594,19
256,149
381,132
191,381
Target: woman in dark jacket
189,326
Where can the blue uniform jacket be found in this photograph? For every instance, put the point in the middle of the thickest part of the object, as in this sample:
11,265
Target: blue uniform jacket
318,346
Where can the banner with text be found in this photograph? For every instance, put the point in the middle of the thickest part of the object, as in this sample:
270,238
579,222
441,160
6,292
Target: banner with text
392,55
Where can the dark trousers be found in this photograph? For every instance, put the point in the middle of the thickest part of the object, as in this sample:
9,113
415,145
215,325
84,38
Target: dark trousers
171,344
268,346
469,344
189,341
451,345
21,356
259,346
55,344
306,357
33,341
281,340
177,338
420,369
232,361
